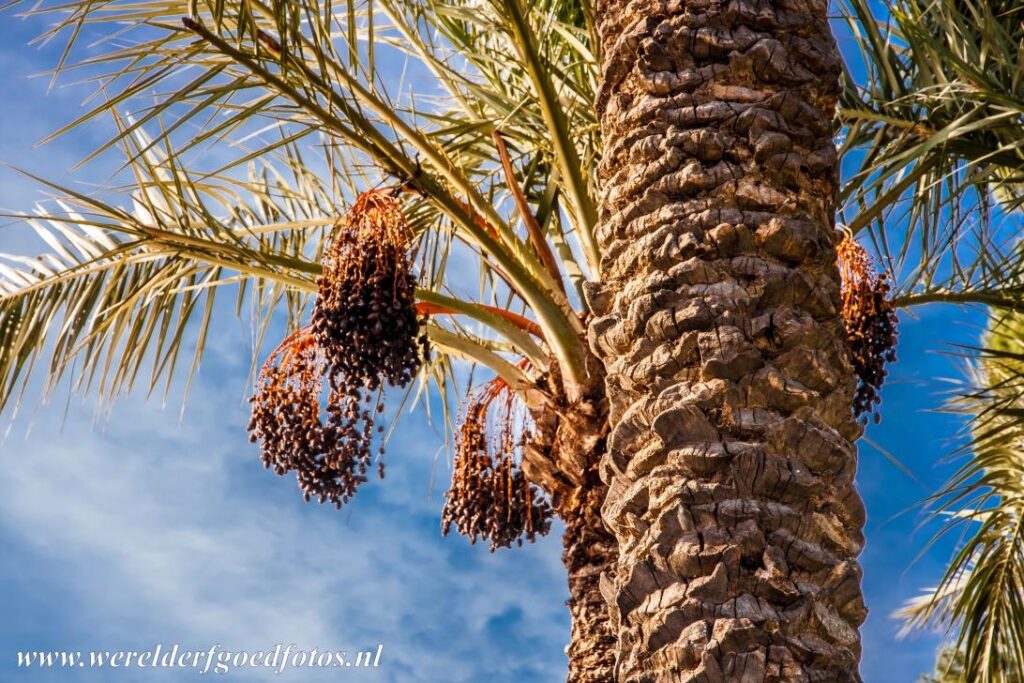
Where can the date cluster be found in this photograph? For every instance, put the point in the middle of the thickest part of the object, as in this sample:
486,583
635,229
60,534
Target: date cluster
321,392
490,497
871,321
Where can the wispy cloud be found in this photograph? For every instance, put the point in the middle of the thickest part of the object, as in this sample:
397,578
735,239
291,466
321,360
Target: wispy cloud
169,531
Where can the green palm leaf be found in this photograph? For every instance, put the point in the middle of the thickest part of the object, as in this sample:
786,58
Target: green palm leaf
982,592
936,134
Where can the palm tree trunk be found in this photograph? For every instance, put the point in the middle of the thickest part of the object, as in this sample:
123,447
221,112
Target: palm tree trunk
570,440
589,553
730,460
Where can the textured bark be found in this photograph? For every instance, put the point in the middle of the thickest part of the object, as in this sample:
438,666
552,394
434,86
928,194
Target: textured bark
589,552
730,461
569,441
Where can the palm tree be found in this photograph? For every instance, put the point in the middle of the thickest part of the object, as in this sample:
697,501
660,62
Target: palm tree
935,128
671,358
496,172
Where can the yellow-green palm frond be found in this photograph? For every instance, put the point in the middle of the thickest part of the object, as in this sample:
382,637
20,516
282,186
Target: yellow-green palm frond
982,592
121,293
499,147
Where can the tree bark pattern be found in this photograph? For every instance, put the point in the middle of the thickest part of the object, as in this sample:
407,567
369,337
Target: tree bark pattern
589,552
568,442
730,460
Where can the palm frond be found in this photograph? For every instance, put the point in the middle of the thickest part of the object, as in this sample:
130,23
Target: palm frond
119,293
117,289
224,70
934,135
225,74
982,591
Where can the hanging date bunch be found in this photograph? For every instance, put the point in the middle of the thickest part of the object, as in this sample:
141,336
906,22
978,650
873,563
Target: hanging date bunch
870,323
365,317
328,445
489,497
320,393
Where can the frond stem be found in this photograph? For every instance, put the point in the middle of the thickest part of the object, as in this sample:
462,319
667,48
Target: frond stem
988,298
463,347
561,136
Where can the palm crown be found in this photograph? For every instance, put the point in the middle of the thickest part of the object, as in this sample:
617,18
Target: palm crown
485,174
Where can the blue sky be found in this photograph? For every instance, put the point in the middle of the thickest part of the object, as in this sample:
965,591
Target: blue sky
149,526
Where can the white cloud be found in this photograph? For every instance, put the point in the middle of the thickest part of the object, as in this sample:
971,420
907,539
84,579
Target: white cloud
169,531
